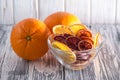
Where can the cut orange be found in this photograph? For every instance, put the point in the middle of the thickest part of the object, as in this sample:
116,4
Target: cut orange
76,27
61,29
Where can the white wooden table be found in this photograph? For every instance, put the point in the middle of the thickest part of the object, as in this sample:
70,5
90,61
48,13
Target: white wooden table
106,66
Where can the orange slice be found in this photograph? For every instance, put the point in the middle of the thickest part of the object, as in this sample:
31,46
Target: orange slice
76,27
67,55
96,39
83,32
61,29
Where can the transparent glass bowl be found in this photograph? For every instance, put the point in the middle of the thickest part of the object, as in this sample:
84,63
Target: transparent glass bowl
64,58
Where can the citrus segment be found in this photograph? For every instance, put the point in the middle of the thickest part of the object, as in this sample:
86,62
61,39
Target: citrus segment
61,29
83,32
67,55
72,42
96,39
76,27
60,38
60,46
84,45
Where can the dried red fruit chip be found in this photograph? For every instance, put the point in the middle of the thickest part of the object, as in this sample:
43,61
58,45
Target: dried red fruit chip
67,35
83,32
72,42
87,38
60,38
84,45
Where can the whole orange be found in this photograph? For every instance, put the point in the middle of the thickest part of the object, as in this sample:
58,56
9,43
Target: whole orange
29,39
61,18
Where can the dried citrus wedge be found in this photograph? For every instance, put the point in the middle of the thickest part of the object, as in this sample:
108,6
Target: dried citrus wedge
76,27
61,46
61,29
96,39
84,45
83,32
66,53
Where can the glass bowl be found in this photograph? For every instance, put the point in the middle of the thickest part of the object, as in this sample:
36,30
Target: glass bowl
77,63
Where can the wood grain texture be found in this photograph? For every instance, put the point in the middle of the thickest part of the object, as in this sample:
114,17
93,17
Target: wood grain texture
13,67
103,11
106,65
24,9
109,56
47,7
6,12
118,12
86,74
35,9
2,48
47,68
81,8
89,12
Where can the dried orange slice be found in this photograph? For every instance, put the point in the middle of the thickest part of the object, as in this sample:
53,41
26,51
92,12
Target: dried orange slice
84,45
72,42
76,27
84,32
87,38
61,29
60,38
67,55
96,39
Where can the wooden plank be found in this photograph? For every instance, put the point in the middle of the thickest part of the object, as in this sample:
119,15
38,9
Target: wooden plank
103,11
118,12
108,57
81,8
47,68
47,7
35,8
2,48
106,65
6,12
86,74
117,42
12,67
24,9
